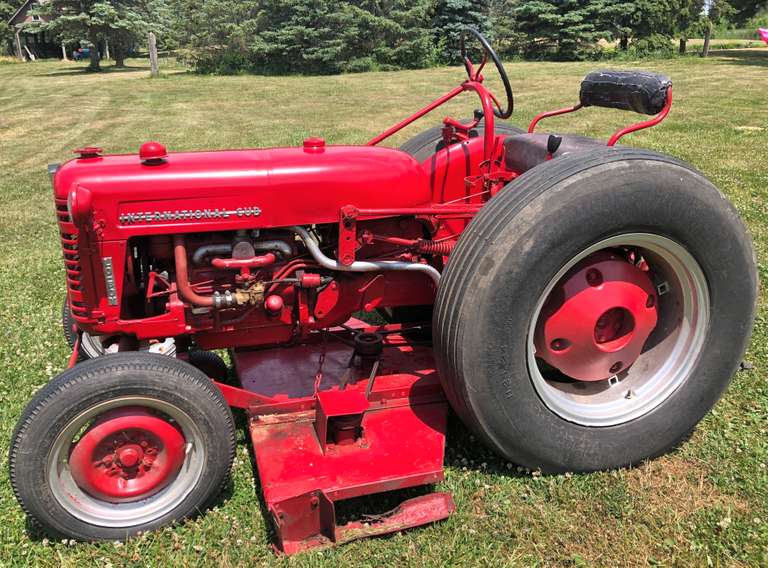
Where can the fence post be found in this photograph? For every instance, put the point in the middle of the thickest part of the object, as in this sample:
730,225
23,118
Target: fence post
153,54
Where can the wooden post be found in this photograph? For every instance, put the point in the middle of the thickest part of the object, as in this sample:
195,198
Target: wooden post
19,51
707,36
64,52
153,54
106,49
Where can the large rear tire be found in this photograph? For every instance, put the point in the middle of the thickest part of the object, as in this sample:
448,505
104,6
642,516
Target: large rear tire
121,444
665,226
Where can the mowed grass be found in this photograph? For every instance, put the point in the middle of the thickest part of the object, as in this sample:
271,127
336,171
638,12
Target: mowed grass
705,504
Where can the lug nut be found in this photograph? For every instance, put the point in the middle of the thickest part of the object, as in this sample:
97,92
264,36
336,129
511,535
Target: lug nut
594,277
559,344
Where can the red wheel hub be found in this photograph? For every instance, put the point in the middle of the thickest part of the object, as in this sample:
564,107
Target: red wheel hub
595,322
126,455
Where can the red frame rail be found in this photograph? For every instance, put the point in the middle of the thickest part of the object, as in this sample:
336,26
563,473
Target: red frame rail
619,133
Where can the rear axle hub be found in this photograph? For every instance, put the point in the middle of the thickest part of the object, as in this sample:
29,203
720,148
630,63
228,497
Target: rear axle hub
597,318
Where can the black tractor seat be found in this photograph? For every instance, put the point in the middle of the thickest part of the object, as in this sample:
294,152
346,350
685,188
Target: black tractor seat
524,151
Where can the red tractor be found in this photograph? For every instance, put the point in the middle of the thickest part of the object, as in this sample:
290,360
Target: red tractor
580,306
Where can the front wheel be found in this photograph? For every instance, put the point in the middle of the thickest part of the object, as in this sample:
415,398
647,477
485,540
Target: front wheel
595,310
119,445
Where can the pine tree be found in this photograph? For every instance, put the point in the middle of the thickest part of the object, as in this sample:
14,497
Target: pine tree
561,29
452,17
7,9
118,21
308,36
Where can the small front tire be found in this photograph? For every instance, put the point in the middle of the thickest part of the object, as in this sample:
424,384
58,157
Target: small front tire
120,445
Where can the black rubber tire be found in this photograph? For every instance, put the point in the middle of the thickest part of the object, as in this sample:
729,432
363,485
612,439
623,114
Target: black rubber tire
512,250
426,143
68,324
97,380
209,363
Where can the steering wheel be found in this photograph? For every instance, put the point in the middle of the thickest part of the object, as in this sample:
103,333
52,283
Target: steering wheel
474,75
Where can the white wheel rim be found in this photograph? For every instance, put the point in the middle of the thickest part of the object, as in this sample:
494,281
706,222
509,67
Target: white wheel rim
94,511
666,363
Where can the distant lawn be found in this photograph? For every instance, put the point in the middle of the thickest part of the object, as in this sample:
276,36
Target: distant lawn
706,504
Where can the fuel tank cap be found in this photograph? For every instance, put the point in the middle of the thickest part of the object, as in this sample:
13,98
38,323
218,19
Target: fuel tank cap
152,153
314,144
89,152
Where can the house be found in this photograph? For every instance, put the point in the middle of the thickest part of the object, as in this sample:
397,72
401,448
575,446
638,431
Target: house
29,44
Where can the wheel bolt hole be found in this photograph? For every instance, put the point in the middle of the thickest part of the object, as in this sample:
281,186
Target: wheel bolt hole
616,367
594,277
650,302
560,344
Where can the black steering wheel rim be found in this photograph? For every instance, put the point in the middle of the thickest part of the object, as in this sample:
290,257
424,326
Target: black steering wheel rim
490,53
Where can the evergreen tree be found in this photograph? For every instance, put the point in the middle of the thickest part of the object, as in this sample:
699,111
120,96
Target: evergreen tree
743,10
7,9
562,29
118,21
452,17
309,36
618,19
688,21
508,40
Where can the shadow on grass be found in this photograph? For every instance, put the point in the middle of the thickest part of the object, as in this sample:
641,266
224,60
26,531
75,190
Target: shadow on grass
80,71
757,57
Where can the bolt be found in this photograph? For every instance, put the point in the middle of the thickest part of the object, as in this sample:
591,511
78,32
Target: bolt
594,277
629,395
559,344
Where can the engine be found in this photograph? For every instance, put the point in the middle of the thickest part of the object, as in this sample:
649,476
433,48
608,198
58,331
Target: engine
241,248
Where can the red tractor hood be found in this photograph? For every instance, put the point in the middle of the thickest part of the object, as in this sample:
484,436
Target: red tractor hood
119,196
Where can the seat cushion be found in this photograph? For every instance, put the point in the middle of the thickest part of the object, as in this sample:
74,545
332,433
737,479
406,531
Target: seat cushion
524,151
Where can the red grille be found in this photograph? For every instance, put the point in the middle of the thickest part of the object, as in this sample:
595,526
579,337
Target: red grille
69,245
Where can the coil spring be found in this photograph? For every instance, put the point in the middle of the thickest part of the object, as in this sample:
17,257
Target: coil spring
443,248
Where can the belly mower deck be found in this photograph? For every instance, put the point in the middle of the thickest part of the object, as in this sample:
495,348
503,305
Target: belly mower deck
351,412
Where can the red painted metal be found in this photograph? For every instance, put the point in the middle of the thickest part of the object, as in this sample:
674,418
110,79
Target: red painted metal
596,321
347,234
73,358
619,133
646,124
274,304
128,454
152,152
238,263
486,101
543,115
315,450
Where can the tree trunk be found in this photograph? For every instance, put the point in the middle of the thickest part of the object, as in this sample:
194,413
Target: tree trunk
683,45
624,43
119,54
153,55
95,56
707,36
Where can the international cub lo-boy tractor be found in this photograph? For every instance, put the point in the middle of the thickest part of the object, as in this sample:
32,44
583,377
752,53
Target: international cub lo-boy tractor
580,306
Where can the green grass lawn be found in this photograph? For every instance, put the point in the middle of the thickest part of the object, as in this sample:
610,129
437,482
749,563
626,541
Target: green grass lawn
705,504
